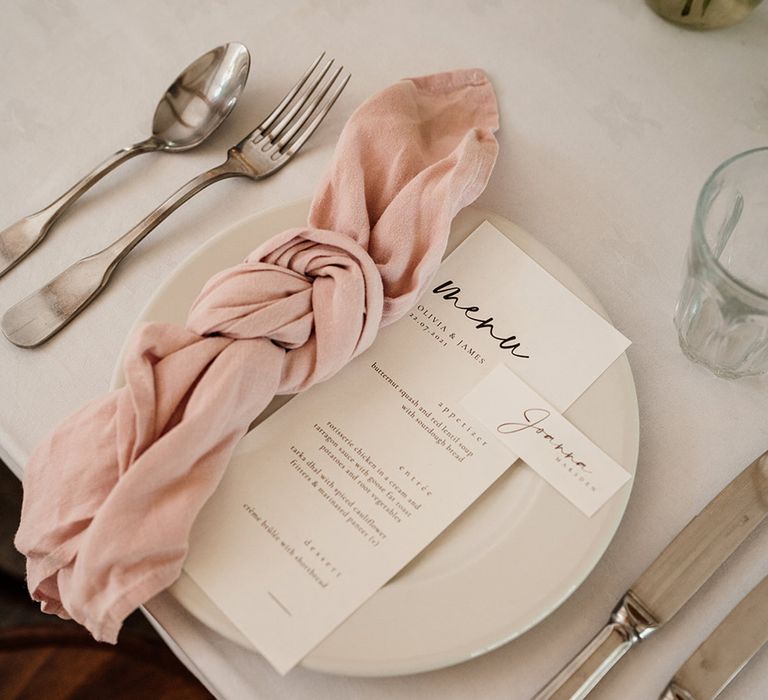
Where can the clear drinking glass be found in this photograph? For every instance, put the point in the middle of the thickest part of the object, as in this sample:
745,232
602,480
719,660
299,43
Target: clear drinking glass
722,313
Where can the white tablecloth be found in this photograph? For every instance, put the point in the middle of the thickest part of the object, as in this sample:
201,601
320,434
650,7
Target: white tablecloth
611,119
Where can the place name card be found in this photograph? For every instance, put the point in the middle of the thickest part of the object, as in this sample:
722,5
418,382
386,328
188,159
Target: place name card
549,443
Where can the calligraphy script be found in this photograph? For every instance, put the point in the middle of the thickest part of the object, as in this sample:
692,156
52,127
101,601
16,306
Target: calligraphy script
451,293
533,418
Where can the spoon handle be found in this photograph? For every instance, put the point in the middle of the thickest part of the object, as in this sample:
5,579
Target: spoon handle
45,312
20,238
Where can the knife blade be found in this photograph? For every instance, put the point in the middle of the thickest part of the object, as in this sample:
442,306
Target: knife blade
670,581
725,652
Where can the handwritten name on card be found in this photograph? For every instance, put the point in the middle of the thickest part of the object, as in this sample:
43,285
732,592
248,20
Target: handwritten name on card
548,442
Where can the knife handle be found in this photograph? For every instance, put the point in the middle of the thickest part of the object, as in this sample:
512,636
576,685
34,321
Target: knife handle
628,625
674,692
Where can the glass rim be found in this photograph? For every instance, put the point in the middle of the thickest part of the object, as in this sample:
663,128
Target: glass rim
698,228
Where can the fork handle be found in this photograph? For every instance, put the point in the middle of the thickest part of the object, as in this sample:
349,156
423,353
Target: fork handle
45,312
115,252
20,238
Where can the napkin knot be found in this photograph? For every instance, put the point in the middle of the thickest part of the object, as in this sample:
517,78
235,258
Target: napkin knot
314,292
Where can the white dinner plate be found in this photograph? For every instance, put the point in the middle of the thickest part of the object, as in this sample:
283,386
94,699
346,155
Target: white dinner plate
513,557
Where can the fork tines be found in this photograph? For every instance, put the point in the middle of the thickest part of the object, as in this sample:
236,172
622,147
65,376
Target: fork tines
302,110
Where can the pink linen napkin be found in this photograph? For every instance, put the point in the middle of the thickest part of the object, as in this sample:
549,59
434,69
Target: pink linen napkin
110,496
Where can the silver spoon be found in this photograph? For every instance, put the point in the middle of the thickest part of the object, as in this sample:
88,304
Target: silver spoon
195,104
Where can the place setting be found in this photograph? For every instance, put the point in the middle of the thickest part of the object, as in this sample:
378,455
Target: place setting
381,430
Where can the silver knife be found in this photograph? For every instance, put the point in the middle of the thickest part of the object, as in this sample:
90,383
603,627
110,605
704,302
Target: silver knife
725,652
667,584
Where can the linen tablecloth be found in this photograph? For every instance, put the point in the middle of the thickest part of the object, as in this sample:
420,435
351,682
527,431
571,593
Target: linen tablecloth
611,120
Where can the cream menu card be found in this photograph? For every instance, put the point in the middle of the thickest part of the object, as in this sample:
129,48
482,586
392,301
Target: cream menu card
330,496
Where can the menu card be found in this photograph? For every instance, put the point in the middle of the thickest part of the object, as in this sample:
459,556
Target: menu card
333,494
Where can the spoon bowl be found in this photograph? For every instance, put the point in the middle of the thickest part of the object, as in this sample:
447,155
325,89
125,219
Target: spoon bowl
201,98
195,104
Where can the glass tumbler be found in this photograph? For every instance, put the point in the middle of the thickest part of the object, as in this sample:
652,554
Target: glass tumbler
722,313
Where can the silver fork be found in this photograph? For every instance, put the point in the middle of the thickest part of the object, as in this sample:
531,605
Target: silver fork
273,143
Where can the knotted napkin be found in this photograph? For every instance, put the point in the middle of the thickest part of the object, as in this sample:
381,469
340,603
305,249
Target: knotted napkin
110,496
